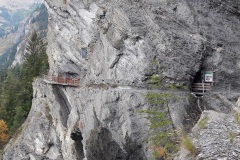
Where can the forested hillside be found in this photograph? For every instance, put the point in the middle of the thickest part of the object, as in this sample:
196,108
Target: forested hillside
16,82
16,86
12,12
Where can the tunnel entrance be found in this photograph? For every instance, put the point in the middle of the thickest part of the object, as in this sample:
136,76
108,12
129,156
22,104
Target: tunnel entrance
198,78
202,82
77,137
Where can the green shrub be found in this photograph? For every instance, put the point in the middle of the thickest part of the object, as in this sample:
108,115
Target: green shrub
155,81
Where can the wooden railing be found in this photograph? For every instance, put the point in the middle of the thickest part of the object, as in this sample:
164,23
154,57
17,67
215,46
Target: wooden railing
201,88
62,80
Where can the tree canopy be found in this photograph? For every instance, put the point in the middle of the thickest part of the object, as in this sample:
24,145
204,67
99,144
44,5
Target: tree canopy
16,91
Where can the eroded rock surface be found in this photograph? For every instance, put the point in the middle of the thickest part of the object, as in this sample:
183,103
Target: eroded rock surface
216,136
102,122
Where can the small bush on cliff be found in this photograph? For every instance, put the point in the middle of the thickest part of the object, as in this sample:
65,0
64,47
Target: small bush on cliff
154,81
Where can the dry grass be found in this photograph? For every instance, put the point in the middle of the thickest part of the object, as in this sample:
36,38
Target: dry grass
188,145
160,152
231,136
203,122
236,117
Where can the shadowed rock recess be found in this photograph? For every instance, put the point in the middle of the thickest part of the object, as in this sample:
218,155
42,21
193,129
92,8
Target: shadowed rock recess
116,47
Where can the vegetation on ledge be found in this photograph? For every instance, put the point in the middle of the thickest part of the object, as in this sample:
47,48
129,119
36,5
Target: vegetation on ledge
162,137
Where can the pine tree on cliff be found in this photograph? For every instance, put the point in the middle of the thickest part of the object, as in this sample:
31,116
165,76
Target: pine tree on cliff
36,63
36,58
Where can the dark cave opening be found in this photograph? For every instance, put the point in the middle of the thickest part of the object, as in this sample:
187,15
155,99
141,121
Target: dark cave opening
198,78
103,15
77,137
202,82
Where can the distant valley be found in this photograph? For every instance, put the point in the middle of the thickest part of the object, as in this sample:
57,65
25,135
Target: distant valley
12,12
14,5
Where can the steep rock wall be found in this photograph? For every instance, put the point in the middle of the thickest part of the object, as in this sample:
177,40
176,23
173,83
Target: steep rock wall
101,121
129,40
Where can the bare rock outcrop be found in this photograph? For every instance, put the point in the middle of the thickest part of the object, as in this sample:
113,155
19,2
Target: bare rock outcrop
216,136
69,123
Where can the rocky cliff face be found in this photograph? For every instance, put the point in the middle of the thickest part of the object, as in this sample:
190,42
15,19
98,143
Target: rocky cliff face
127,43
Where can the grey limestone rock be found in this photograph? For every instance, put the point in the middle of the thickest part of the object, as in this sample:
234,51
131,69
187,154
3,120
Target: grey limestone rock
216,136
64,118
219,138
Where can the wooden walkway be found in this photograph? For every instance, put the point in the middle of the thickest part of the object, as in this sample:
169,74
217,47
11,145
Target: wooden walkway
61,80
201,88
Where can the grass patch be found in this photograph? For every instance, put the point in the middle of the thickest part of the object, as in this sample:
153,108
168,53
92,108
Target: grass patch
231,136
156,99
178,87
188,145
236,117
160,152
203,122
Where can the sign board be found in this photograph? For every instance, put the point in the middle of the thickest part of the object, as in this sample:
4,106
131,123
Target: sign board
208,76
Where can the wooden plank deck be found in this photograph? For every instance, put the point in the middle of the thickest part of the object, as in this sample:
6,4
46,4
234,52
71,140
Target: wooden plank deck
201,88
61,80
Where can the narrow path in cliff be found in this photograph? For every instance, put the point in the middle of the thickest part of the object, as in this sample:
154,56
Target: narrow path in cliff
136,88
168,90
